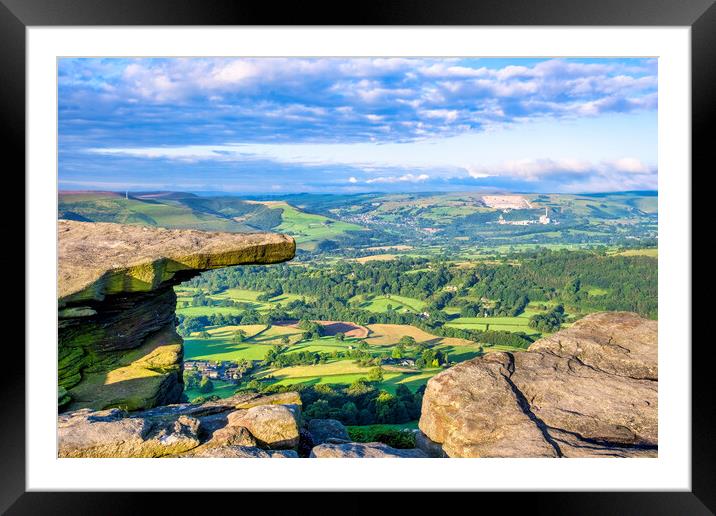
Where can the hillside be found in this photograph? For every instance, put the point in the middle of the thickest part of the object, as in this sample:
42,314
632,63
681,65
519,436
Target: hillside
175,210
169,212
307,228
467,221
499,220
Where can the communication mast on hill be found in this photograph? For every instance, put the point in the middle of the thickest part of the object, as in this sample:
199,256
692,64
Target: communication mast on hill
126,194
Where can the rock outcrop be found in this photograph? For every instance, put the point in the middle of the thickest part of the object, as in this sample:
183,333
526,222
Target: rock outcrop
210,429
272,426
364,451
327,431
116,306
246,425
587,391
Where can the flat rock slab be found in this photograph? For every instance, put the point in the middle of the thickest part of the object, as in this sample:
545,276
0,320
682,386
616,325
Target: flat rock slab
97,258
109,433
587,391
184,430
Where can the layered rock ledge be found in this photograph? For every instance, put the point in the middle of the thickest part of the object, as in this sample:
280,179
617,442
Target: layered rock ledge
116,306
587,391
246,425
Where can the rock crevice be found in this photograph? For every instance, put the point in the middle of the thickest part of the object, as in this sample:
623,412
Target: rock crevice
526,408
590,390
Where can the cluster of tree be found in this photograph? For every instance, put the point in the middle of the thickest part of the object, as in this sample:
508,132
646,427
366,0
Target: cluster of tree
282,356
201,298
396,438
624,282
311,329
360,403
331,309
277,357
353,239
188,324
548,322
342,280
195,380
270,294
431,358
488,338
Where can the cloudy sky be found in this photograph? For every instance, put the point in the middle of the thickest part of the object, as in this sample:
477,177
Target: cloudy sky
272,125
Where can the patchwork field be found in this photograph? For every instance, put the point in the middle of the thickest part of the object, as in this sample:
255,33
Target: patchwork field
258,341
390,334
346,372
331,328
382,338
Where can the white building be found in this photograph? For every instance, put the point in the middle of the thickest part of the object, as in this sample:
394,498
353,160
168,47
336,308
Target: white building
544,219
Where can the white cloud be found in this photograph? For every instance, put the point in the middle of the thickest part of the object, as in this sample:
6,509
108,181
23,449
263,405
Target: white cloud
632,165
352,180
574,175
534,169
411,178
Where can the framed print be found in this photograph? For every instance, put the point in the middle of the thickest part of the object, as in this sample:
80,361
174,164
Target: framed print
454,239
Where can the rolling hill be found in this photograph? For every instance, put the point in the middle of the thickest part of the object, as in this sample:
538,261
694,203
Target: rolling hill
183,210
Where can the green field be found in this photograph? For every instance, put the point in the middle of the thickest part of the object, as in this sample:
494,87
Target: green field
511,324
220,345
220,349
307,228
247,297
459,353
196,311
345,372
221,389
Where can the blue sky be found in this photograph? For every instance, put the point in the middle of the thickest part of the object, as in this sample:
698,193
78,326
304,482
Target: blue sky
275,125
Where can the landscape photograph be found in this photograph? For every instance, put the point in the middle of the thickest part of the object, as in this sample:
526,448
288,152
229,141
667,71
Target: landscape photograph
330,257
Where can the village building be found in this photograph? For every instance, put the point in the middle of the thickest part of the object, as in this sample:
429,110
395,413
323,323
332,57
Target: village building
404,362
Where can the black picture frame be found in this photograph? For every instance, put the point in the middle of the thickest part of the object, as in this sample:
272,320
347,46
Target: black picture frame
700,15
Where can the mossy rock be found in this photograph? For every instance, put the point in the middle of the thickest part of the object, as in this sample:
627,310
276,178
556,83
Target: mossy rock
139,378
63,398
